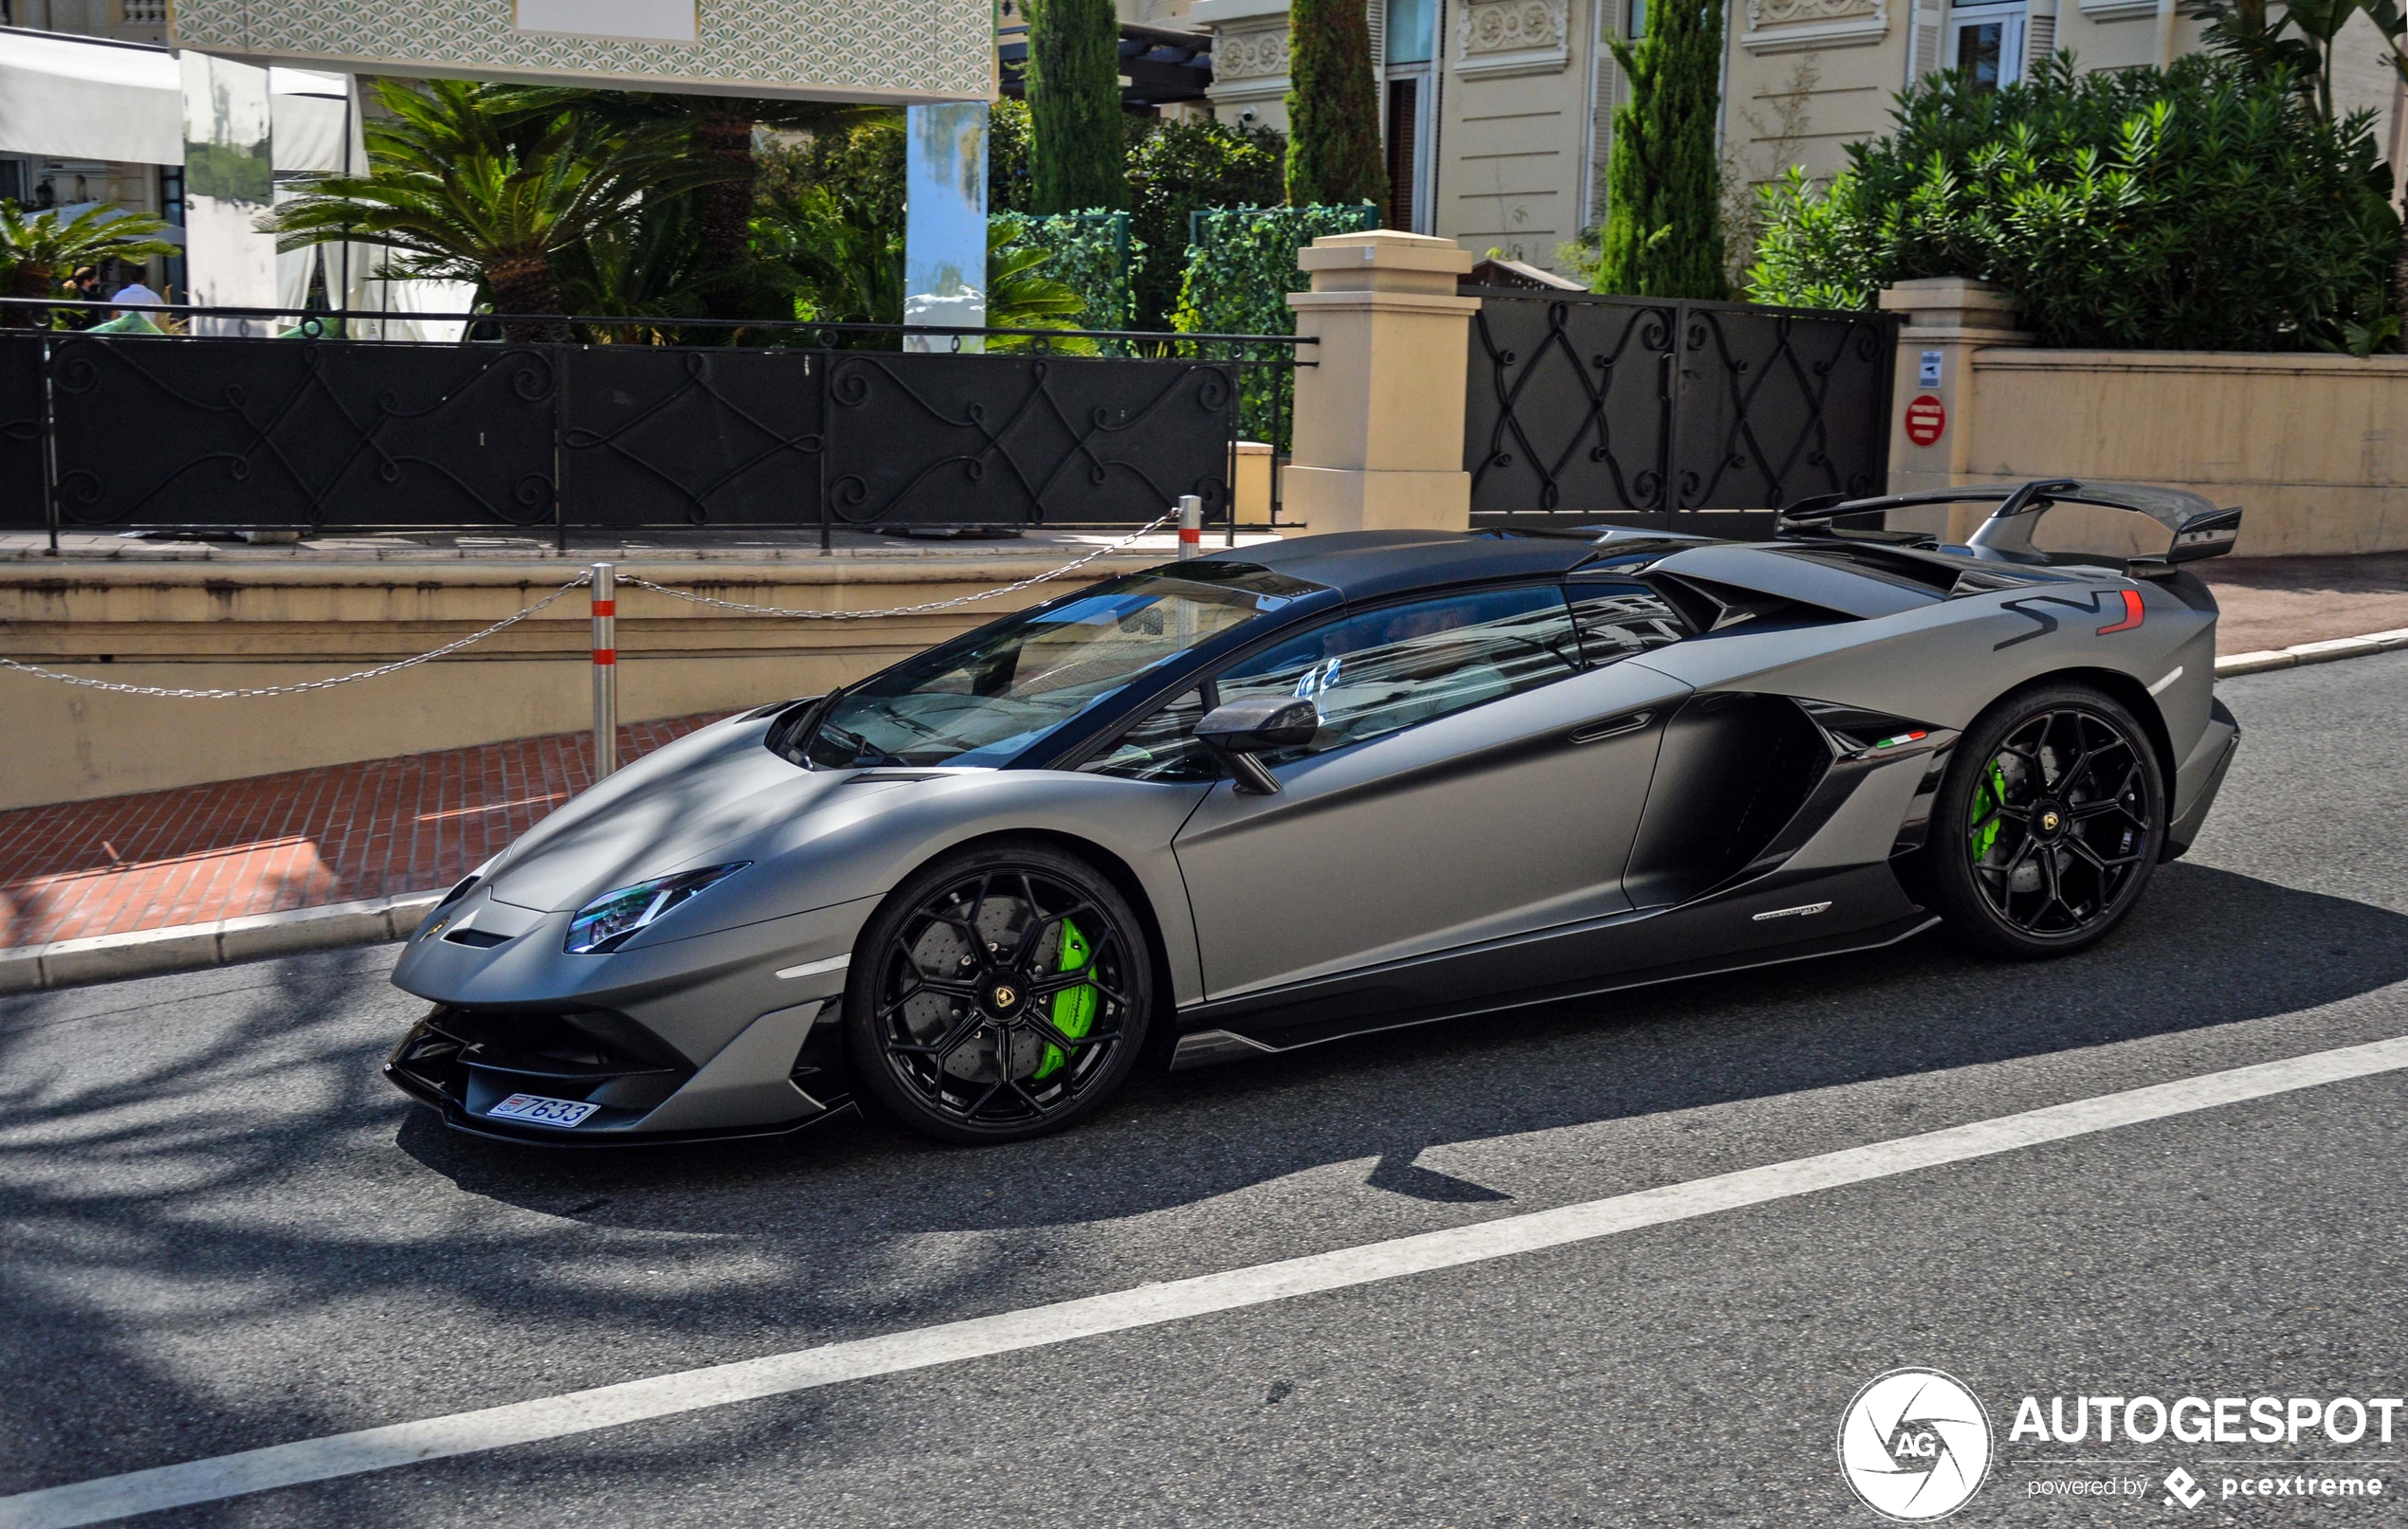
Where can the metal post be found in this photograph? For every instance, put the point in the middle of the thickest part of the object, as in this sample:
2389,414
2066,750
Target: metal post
50,441
1191,526
605,671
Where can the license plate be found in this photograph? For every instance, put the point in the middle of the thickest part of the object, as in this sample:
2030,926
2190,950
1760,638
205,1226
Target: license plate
537,1110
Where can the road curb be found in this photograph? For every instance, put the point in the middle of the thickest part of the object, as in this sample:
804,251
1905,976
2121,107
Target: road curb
149,952
2290,658
70,964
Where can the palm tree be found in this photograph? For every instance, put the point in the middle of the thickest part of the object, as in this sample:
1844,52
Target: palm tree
466,183
718,135
1021,296
37,247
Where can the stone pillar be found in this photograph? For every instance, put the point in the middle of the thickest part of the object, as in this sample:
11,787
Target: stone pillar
1948,318
1378,433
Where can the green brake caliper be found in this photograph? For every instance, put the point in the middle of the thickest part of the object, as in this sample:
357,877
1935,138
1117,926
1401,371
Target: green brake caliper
1073,1008
1989,809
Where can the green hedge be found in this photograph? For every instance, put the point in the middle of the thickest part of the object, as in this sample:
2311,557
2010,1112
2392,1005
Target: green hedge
2197,207
1094,254
1178,168
1241,265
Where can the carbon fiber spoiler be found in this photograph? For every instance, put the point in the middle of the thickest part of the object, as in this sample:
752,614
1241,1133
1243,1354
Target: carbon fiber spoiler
2194,527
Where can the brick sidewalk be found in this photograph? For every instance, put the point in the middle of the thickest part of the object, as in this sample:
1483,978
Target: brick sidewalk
376,828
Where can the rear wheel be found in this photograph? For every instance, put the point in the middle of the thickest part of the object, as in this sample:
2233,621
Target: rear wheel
998,995
2050,820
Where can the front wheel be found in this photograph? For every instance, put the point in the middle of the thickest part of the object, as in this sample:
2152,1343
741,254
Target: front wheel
2051,818
998,995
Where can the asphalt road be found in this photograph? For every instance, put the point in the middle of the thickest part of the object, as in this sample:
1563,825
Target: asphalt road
219,1229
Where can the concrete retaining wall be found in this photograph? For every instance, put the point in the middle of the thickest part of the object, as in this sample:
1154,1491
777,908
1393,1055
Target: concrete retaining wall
243,624
2313,446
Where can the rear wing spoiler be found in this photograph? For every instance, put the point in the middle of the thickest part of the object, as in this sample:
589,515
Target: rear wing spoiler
2194,527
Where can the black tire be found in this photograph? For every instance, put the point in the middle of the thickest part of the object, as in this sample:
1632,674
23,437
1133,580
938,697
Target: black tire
965,1014
2050,820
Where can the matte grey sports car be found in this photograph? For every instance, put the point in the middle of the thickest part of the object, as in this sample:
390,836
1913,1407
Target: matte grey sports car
1259,799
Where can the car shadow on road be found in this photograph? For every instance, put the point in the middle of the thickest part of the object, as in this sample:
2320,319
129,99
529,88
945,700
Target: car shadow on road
183,1198
2208,948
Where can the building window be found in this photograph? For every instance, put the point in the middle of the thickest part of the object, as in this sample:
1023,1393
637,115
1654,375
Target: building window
1410,38
1986,42
1404,141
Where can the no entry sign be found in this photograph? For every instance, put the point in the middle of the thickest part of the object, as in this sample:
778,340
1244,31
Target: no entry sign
1926,420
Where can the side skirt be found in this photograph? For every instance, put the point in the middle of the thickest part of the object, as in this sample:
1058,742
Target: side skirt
1237,1038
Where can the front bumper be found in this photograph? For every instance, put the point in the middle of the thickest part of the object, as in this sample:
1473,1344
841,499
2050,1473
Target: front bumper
729,1033
462,1062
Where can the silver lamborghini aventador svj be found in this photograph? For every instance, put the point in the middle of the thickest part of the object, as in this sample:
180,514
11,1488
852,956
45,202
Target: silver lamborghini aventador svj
1260,799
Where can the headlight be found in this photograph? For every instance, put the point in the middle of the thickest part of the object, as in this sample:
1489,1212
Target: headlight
610,920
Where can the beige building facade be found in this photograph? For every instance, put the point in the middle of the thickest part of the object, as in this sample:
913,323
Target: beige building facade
1498,114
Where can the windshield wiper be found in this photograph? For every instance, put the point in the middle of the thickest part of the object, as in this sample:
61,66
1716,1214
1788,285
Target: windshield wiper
863,751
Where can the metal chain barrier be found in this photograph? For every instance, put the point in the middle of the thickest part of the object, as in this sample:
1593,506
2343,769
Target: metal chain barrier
604,610
689,596
445,650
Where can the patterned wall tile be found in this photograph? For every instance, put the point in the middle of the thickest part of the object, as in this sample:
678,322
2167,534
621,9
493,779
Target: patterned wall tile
939,49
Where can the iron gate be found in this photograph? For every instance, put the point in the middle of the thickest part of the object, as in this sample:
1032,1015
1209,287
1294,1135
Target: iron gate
1644,412
125,432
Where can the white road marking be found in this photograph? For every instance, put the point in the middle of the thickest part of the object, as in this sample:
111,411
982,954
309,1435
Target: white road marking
604,1407
812,968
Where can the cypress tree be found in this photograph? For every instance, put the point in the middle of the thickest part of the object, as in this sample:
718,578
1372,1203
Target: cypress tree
1076,157
1664,182
1333,108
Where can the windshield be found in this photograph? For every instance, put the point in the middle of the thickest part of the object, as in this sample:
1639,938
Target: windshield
986,697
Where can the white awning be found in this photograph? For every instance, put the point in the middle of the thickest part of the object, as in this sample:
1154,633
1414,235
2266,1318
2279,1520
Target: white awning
310,112
78,98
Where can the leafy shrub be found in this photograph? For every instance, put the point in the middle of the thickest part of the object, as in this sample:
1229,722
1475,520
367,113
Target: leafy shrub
1011,185
1023,294
1241,265
2199,208
1091,254
1179,167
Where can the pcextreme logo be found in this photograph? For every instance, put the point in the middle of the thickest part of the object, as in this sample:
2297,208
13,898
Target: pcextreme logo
1914,1445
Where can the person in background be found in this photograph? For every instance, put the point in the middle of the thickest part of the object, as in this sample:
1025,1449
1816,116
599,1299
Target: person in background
132,293
85,285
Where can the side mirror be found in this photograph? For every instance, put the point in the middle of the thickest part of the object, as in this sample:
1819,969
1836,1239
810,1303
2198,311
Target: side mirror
1241,729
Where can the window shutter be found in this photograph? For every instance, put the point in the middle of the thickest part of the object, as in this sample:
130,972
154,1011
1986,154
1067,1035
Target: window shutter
2041,40
1604,80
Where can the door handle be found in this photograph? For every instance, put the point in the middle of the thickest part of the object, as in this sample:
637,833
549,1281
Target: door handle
1597,732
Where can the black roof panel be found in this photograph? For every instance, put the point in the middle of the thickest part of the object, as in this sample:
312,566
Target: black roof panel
1363,565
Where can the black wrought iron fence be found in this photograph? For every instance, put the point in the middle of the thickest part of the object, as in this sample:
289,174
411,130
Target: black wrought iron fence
817,434
1648,412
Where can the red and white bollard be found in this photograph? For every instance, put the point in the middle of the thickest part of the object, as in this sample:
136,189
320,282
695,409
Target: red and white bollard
1191,526
605,671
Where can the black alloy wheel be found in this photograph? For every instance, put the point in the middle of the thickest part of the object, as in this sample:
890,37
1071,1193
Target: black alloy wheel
999,994
2051,818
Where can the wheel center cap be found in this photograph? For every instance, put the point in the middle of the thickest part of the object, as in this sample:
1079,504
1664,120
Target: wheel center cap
1003,997
2048,820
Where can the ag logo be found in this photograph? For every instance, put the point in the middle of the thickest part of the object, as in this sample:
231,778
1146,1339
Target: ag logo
1914,1445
